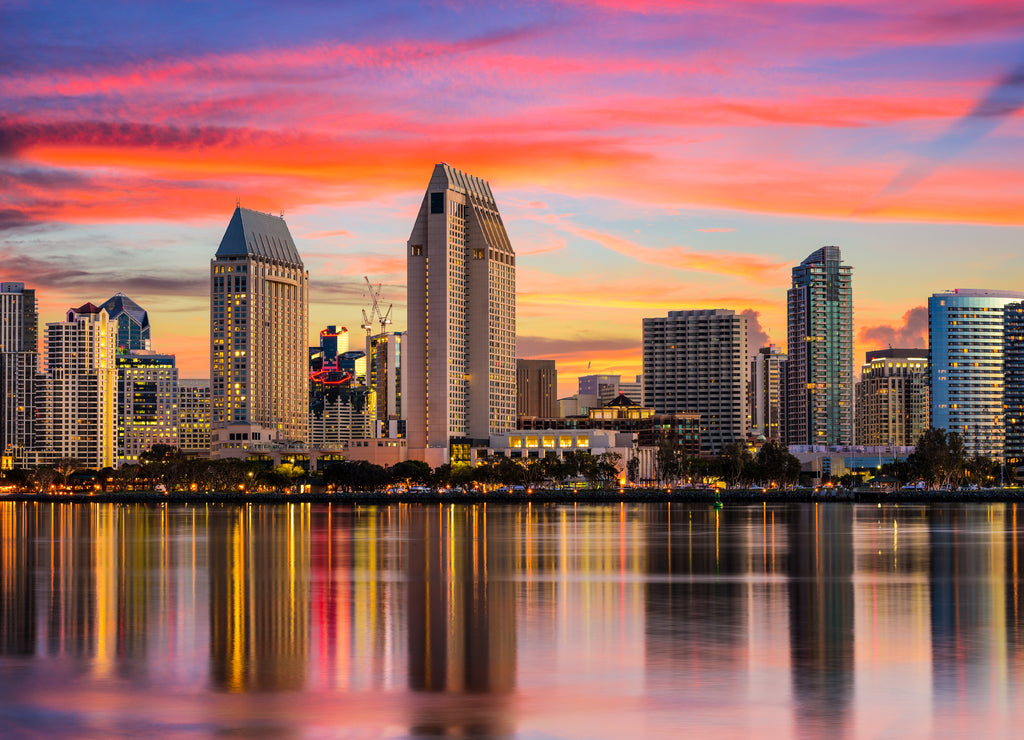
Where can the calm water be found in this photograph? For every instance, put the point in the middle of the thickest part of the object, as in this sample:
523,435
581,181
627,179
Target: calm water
487,621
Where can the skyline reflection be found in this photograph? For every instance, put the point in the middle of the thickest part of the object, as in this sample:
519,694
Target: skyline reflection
484,620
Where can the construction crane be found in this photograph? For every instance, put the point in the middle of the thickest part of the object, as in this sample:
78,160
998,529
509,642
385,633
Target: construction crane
383,317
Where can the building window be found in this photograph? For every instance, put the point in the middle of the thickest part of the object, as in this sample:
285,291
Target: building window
416,250
437,202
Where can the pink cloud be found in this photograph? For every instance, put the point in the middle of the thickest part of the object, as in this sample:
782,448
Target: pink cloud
911,333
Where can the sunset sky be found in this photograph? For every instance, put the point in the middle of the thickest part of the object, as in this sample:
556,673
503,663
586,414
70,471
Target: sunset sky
646,156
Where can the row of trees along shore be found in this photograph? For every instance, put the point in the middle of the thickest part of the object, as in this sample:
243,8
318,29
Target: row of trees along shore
940,461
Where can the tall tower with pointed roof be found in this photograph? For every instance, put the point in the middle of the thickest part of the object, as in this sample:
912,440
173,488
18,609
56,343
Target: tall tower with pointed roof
461,272
259,322
132,322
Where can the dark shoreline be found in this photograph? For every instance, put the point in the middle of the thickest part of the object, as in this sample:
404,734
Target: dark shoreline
740,496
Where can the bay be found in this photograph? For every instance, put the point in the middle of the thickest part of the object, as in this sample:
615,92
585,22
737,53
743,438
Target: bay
537,621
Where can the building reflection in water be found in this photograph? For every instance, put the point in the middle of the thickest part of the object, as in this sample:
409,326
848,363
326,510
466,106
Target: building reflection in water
461,620
821,617
968,607
695,603
18,543
1014,598
259,562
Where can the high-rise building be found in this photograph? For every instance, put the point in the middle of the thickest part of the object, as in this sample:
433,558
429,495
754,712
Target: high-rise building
259,318
194,416
19,364
341,407
385,360
892,397
819,366
147,403
132,322
77,394
695,361
965,346
767,393
1013,380
461,317
536,388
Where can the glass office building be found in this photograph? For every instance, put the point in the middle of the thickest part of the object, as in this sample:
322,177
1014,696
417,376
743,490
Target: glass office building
965,340
819,365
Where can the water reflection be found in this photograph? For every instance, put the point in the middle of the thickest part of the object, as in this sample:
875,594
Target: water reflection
485,621
462,618
696,616
259,597
821,617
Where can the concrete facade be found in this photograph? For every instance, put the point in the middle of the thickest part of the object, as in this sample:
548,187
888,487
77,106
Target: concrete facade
892,397
536,387
259,323
696,362
461,315
77,394
19,365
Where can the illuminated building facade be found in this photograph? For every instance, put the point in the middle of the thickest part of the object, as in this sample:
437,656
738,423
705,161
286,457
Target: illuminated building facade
462,316
696,362
385,362
77,394
1013,379
892,397
965,345
194,415
768,393
819,365
147,403
19,365
341,407
259,317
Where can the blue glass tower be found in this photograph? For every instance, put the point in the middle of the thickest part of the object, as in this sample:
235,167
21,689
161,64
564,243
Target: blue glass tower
132,322
965,346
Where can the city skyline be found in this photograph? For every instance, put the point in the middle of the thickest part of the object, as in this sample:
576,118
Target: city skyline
687,161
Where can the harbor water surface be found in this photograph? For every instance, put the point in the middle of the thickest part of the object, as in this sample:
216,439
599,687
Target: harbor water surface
535,621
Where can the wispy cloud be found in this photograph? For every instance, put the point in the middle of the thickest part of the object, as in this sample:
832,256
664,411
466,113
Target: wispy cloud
746,266
1003,99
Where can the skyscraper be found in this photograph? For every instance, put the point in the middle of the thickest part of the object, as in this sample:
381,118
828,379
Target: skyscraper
965,345
819,368
767,393
1013,380
536,388
341,407
147,403
462,316
385,360
259,318
194,415
695,361
19,363
132,322
892,397
77,395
